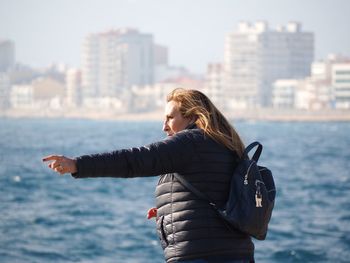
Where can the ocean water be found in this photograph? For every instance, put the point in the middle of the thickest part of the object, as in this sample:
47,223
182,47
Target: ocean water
45,217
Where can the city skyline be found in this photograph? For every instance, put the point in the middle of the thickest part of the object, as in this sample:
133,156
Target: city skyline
52,32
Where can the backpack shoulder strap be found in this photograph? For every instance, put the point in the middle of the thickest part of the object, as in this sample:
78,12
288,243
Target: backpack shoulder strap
194,190
257,153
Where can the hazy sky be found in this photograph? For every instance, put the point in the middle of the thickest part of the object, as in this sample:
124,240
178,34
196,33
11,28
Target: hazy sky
47,31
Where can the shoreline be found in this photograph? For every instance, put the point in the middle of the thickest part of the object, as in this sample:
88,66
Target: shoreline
245,115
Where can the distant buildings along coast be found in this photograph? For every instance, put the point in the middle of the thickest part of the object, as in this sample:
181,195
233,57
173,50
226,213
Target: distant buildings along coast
124,70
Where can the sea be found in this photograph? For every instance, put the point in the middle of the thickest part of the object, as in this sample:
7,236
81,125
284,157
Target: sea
46,217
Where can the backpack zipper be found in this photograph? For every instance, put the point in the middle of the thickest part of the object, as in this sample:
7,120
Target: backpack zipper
246,175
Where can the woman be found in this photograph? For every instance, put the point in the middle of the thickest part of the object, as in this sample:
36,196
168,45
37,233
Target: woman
202,147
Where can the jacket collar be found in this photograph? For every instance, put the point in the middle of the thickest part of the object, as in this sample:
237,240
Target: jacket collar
191,126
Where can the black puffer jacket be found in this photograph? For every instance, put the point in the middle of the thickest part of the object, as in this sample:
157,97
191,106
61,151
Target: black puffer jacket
188,227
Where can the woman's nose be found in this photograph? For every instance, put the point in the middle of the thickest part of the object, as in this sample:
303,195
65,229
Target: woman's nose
165,125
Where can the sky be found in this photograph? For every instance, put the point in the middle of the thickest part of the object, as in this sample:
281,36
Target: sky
47,32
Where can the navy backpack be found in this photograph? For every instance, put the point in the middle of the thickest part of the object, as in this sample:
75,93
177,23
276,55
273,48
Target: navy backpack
251,198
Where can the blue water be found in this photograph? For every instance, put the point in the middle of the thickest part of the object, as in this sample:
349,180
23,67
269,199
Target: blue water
45,217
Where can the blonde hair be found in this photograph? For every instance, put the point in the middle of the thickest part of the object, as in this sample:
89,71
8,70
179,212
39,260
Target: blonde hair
194,104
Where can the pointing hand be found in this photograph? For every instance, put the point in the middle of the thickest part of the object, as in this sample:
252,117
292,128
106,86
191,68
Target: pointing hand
61,164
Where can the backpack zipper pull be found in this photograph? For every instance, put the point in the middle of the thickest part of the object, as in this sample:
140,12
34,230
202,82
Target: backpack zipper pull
258,196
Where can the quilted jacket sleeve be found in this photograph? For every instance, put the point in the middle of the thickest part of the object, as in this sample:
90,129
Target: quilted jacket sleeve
169,155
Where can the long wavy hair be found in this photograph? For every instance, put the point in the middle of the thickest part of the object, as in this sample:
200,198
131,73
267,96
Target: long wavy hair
194,104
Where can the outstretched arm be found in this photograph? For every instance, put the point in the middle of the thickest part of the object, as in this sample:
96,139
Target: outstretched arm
170,155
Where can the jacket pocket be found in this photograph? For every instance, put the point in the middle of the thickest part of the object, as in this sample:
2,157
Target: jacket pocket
161,232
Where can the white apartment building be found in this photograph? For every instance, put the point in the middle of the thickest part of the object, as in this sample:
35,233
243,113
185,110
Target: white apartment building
114,61
341,85
213,86
7,55
255,56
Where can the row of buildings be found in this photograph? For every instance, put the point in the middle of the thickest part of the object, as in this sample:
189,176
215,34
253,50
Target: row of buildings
327,87
275,68
124,70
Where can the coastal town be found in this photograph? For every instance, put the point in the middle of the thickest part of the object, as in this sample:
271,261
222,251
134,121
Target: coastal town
267,73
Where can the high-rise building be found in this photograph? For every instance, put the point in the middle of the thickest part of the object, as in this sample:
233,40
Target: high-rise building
7,55
113,61
255,56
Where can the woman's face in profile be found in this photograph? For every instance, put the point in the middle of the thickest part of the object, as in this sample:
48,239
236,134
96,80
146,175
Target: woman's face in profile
174,121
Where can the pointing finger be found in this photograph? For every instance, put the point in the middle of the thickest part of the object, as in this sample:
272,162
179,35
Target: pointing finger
52,158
